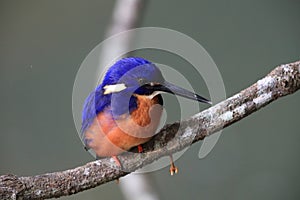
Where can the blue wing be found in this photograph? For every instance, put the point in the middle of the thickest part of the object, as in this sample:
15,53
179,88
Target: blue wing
94,104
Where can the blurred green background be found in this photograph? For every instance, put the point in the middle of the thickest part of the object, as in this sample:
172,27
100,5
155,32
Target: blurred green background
43,43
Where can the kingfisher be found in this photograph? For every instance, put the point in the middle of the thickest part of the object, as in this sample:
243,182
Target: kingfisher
124,111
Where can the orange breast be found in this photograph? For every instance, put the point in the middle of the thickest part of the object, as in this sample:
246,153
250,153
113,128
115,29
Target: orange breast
108,137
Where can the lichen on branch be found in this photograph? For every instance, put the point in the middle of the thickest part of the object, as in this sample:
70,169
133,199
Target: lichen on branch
283,80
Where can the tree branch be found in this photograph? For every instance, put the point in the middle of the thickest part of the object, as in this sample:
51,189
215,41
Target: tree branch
127,14
282,81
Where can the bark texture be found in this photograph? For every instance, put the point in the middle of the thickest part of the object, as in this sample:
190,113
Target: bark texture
283,80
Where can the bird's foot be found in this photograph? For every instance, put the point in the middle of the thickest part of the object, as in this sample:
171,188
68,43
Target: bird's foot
117,161
140,148
173,168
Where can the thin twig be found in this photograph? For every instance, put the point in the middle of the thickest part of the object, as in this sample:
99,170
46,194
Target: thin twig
282,81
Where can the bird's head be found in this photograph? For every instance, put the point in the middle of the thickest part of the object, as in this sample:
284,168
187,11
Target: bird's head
124,80
138,76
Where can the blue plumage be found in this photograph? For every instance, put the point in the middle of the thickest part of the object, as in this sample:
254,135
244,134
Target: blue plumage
131,87
133,71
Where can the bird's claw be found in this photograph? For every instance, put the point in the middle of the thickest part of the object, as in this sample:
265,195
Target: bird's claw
173,170
140,148
117,161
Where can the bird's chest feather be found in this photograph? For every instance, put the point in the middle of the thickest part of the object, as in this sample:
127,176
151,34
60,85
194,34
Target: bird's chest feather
108,136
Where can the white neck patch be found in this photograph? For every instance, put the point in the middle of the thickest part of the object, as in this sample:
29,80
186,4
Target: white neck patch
114,88
151,96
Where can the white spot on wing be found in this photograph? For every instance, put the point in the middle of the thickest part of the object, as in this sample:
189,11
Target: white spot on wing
114,88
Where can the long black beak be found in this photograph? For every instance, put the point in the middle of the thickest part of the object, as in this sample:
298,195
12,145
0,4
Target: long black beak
176,90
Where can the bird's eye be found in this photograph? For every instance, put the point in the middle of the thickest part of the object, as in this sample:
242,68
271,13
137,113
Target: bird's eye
142,81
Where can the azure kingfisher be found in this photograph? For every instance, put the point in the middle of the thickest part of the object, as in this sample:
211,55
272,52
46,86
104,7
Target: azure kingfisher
124,110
